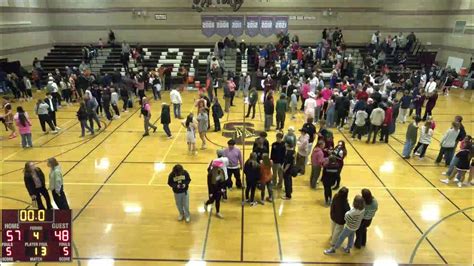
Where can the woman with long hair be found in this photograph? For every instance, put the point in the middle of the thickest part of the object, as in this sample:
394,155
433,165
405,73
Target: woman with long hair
371,207
266,178
424,141
329,177
252,175
339,207
190,133
203,123
9,120
341,152
24,127
56,184
36,186
82,117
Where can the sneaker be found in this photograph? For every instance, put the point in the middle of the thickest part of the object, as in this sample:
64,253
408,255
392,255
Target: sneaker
54,132
180,218
446,181
253,203
58,128
459,184
464,183
205,206
444,173
188,219
146,134
347,250
285,198
330,251
261,202
269,199
154,129
219,215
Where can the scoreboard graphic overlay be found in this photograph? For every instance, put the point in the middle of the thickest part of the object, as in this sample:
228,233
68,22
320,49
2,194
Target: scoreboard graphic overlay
36,235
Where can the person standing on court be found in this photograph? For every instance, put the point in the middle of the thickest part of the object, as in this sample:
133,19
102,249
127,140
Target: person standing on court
411,136
216,182
330,175
23,124
146,112
52,108
56,184
376,120
277,156
371,207
235,164
317,163
302,144
179,181
36,186
91,109
252,102
41,109
266,178
353,219
448,144
280,108
217,114
269,109
176,100
288,171
252,176
339,207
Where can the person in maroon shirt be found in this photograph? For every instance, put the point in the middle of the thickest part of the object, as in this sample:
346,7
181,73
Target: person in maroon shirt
360,95
386,124
268,85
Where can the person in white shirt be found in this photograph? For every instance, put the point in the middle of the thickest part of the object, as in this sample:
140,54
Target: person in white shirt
424,141
176,100
314,83
310,105
386,85
430,87
114,100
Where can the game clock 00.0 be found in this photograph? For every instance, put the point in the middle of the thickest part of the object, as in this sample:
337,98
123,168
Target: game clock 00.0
36,235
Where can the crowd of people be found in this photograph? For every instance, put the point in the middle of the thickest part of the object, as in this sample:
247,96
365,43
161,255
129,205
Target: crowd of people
365,102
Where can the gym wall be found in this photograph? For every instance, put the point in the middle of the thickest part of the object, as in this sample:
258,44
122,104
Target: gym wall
85,21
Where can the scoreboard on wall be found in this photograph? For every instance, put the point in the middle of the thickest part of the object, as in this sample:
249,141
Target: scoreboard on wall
36,235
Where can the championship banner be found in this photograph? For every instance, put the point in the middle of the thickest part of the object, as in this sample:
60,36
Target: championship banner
266,26
222,26
208,24
253,25
236,26
281,24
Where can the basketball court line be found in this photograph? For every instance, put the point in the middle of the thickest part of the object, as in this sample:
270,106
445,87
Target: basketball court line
427,180
197,185
171,146
394,198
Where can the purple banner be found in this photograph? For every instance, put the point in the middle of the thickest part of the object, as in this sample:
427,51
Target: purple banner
236,26
253,25
222,26
281,24
208,25
266,25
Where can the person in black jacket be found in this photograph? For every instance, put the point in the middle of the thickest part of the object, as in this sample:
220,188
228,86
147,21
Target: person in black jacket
331,172
339,207
261,145
342,108
165,119
35,184
252,176
269,109
82,117
179,181
217,114
278,157
288,165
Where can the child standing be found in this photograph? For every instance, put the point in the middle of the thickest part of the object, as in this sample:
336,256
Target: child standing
24,127
190,134
317,161
252,175
179,181
404,106
114,98
293,104
424,141
8,117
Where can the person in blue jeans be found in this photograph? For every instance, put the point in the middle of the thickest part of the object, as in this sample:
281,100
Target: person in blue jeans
353,219
454,161
411,137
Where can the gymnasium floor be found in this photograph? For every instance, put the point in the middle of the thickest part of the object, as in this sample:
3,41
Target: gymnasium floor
124,212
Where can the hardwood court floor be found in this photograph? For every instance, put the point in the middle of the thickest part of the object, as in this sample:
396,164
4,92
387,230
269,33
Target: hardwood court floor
124,212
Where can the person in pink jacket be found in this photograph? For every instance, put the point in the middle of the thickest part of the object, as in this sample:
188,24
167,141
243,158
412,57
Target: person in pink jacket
24,127
317,162
305,89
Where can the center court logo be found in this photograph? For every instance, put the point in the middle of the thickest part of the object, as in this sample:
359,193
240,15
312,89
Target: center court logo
240,132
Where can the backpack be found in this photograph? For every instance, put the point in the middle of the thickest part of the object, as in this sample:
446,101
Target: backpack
215,173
